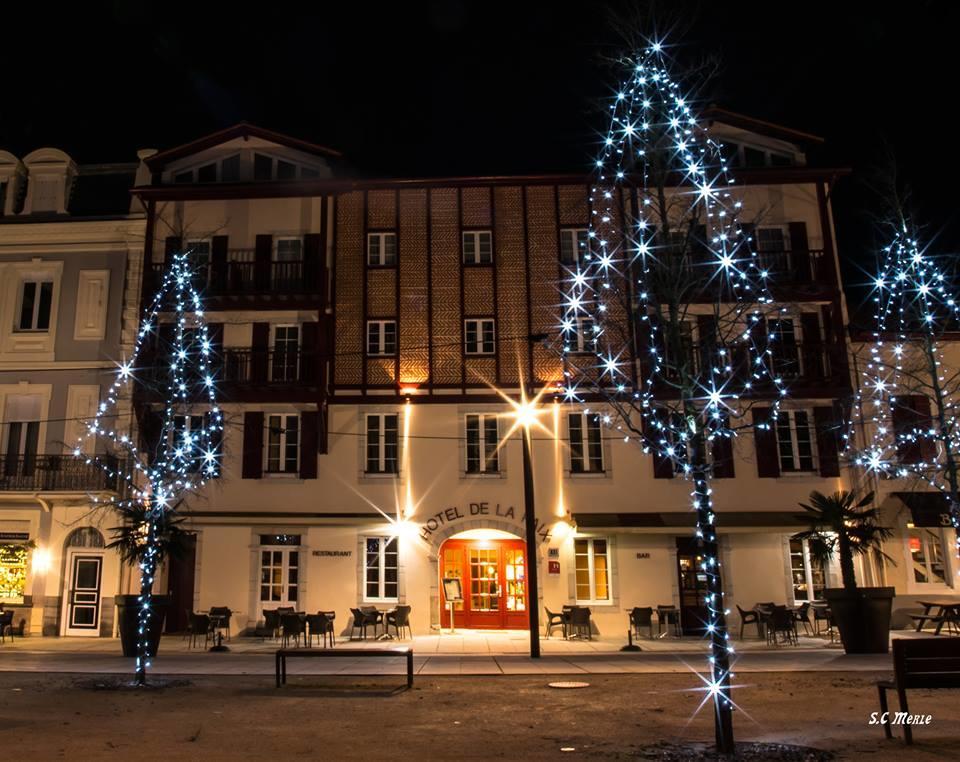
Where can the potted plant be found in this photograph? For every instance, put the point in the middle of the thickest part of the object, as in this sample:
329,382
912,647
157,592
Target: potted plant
844,526
130,540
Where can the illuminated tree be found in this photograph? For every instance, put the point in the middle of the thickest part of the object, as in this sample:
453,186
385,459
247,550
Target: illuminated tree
667,317
178,455
907,402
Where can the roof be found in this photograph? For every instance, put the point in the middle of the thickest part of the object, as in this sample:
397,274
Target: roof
102,190
716,114
241,130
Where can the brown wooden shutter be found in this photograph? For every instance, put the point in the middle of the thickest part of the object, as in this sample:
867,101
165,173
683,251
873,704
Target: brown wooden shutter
662,465
215,334
800,253
172,245
825,421
308,445
722,452
262,260
323,434
749,232
768,454
151,428
811,348
252,445
912,412
309,354
313,261
218,263
259,354
706,340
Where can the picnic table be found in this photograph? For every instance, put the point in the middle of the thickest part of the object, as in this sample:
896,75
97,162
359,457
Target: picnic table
948,612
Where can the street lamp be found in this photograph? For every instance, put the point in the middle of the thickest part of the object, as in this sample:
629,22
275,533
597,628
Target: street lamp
525,414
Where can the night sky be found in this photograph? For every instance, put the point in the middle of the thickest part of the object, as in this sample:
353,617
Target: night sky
448,87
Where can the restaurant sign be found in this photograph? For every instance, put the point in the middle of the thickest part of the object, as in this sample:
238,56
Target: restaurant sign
333,553
456,513
14,536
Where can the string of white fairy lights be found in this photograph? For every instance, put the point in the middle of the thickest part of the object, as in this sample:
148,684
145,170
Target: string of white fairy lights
914,306
652,126
185,457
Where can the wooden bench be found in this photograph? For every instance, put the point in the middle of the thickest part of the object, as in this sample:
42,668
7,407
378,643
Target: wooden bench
289,653
923,663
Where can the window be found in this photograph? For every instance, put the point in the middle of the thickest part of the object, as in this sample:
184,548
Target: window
262,167
381,569
584,335
573,246
288,250
200,256
230,169
592,569
770,239
477,247
808,575
3,198
283,444
13,572
479,336
286,170
36,299
382,443
772,249
381,338
795,441
183,177
286,353
185,435
926,554
753,157
483,439
381,249
783,347
586,443
279,569
207,173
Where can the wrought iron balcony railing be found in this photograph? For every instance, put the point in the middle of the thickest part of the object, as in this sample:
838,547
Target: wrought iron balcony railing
245,276
56,473
271,367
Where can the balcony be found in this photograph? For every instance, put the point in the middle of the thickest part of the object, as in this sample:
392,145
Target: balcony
243,279
272,367
54,473
812,369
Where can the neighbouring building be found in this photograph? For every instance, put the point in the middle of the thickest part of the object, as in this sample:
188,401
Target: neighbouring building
367,328
69,245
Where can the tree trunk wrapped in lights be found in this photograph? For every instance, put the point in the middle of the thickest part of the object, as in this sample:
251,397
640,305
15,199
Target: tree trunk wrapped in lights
668,318
908,395
173,369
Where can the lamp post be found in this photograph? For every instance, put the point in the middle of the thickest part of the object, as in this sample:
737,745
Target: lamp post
530,524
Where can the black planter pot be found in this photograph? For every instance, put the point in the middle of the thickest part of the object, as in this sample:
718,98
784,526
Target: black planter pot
863,617
128,614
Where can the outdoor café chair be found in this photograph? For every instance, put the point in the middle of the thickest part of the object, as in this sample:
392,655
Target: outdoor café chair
199,626
321,625
781,622
271,625
221,617
642,616
750,617
363,619
556,620
802,615
6,624
373,614
293,627
667,615
580,624
398,619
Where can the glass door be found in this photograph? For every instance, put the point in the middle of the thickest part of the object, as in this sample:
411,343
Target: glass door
693,587
494,582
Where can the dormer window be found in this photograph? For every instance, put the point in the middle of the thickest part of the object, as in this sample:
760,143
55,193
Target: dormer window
50,174
266,167
225,170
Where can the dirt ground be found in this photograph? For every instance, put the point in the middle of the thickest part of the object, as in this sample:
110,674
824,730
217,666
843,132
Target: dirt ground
51,717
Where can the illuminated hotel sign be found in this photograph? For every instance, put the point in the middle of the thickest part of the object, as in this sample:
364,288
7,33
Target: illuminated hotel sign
456,513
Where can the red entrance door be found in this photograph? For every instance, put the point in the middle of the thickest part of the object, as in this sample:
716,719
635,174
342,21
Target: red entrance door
493,576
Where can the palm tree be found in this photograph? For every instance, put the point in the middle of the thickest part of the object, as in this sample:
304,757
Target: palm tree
130,539
843,525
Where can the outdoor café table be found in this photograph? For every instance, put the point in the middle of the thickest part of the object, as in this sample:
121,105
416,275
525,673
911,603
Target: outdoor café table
662,616
216,621
383,615
946,612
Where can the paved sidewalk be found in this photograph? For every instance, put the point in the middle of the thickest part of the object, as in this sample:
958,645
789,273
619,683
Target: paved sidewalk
23,660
